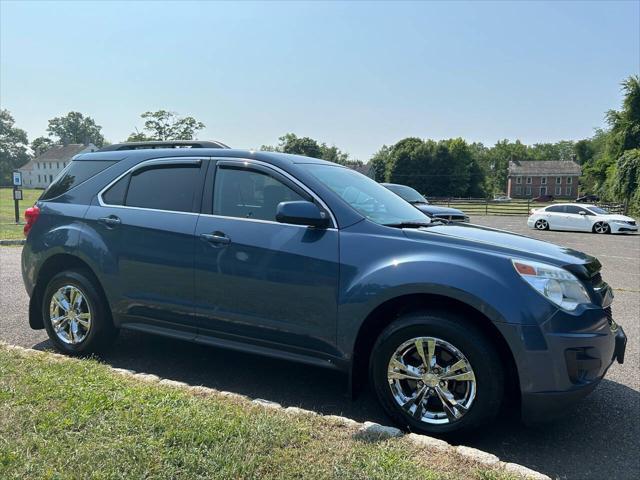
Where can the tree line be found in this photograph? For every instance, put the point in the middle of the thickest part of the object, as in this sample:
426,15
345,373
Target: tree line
610,159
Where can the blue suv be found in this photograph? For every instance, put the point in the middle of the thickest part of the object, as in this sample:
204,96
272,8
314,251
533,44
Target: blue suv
309,261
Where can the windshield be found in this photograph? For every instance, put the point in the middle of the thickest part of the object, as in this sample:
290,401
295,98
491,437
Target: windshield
599,211
366,196
408,193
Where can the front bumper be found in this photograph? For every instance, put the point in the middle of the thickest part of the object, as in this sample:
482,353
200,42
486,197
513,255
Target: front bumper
623,228
563,360
538,407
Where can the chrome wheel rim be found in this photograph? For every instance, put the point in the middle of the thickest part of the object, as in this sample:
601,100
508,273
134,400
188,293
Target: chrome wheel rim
541,224
70,315
431,380
601,227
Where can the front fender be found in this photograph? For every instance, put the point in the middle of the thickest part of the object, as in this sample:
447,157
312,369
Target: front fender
484,281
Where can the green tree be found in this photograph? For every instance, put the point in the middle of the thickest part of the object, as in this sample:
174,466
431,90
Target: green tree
291,143
40,145
74,127
13,147
378,164
166,125
627,178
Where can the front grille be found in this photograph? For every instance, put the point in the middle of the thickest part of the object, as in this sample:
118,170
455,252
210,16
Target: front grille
451,218
609,315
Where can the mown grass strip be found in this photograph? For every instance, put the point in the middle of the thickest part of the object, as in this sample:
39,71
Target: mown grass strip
77,419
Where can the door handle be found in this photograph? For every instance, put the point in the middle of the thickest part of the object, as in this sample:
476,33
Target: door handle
110,221
216,237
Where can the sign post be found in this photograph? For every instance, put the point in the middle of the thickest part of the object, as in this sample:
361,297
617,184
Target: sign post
17,193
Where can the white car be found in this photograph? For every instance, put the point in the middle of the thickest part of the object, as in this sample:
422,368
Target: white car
581,218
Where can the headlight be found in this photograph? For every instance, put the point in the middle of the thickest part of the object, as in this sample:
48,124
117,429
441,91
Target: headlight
556,284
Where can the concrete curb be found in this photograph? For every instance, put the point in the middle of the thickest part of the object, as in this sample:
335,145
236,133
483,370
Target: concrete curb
12,242
366,430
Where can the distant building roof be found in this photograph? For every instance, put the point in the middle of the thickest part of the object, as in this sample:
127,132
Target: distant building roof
60,153
544,167
362,168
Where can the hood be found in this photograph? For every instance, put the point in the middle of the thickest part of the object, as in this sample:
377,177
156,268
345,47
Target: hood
509,244
614,217
437,210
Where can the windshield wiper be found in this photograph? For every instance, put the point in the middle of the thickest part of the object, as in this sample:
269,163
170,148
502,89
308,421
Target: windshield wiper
409,224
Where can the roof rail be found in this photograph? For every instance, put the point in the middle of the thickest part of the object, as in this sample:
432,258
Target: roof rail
162,144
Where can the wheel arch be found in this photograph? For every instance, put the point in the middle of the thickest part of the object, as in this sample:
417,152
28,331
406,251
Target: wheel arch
52,266
384,314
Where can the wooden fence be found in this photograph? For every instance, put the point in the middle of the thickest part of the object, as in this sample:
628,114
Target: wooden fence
483,206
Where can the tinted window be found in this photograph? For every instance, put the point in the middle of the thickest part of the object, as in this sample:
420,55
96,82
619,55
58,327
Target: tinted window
249,194
555,208
575,210
115,195
76,173
366,196
164,188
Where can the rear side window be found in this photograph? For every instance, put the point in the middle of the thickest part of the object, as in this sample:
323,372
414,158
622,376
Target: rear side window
555,208
77,172
170,187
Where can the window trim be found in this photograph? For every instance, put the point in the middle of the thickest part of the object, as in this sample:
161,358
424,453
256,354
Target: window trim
149,163
265,168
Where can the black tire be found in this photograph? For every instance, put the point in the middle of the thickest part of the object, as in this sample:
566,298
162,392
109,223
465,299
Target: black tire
101,333
541,224
469,340
602,228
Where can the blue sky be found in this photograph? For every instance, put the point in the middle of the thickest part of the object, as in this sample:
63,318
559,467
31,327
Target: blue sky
357,75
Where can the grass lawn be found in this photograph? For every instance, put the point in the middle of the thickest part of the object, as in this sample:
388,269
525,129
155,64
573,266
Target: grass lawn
77,419
8,228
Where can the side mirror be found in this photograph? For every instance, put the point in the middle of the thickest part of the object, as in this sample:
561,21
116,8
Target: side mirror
582,212
302,213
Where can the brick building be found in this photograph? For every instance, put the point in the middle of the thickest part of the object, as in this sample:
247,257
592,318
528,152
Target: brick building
531,178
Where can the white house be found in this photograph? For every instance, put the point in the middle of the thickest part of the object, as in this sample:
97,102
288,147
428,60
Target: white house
40,171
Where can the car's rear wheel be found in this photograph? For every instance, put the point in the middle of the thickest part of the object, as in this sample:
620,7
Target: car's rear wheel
541,224
601,227
436,373
75,314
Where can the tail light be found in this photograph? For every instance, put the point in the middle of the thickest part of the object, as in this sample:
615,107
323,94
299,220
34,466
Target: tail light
30,215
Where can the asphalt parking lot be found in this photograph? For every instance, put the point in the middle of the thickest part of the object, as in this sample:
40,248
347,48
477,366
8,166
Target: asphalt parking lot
599,438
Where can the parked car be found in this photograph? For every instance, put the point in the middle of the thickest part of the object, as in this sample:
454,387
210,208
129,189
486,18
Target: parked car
417,200
588,199
502,198
580,217
543,198
306,260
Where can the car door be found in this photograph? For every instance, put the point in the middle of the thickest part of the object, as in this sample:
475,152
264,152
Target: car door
259,281
554,214
147,219
576,220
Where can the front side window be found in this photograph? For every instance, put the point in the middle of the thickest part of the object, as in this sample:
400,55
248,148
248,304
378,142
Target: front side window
366,196
574,209
166,187
251,194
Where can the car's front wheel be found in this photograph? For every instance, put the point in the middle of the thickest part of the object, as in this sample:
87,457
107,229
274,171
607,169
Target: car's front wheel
436,373
75,314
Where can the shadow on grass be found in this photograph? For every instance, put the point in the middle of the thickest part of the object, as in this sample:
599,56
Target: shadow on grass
598,438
